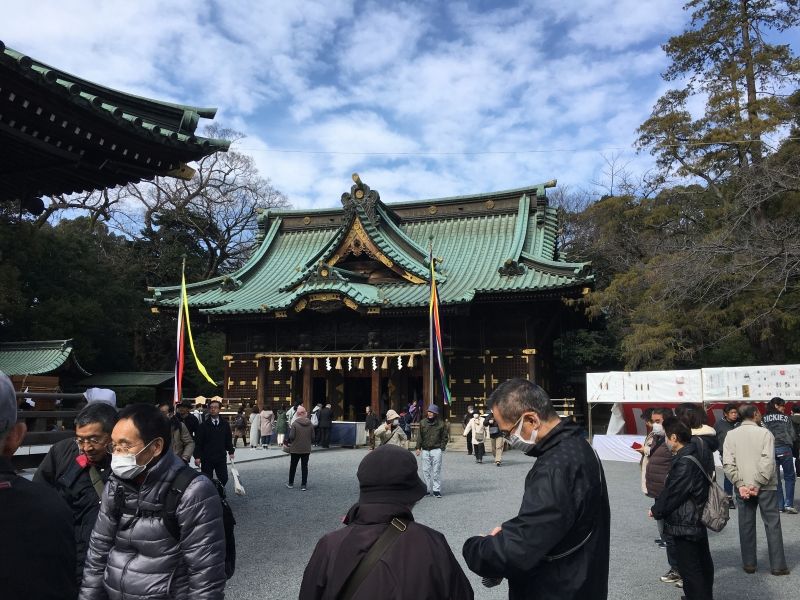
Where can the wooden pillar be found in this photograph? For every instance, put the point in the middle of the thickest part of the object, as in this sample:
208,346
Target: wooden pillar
227,374
307,384
261,383
375,392
426,381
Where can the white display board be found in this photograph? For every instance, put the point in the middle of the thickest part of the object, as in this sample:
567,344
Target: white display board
604,388
724,384
645,387
757,384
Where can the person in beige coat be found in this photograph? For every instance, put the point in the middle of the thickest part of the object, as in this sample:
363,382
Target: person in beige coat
267,424
478,428
182,441
748,459
391,432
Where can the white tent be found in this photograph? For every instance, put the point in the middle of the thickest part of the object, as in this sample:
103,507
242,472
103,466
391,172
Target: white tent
715,385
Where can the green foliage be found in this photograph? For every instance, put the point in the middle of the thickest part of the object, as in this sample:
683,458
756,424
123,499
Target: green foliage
725,57
707,273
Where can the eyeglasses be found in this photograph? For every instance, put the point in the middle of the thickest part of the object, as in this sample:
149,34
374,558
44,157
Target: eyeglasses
91,441
506,433
111,448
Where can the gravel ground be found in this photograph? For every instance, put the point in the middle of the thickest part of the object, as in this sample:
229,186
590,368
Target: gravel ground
278,528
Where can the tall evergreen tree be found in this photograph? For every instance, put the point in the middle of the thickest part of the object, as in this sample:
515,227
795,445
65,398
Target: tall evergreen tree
726,59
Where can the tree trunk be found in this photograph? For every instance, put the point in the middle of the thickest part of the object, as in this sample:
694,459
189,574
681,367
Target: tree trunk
750,82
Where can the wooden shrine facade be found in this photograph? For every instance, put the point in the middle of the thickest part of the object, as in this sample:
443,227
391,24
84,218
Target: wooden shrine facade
333,306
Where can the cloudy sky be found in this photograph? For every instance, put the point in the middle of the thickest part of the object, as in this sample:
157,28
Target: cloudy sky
424,99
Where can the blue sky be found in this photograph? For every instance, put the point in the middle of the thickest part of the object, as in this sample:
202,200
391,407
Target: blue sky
423,99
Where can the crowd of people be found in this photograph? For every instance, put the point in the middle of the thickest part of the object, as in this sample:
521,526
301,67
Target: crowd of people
557,546
118,511
753,449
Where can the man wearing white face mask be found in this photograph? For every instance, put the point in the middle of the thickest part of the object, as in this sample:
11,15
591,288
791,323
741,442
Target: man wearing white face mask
557,548
139,548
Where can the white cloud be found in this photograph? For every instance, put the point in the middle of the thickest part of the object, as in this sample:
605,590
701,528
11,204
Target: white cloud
337,77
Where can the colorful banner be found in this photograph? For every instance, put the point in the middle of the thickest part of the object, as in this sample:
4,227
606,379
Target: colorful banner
185,302
437,334
178,389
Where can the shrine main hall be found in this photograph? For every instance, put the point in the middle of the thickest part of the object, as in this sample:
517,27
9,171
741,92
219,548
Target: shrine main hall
333,306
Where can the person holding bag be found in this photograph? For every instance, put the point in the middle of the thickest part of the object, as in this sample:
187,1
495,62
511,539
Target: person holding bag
381,552
478,431
681,505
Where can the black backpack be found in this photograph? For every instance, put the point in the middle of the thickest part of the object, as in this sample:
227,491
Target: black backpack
170,502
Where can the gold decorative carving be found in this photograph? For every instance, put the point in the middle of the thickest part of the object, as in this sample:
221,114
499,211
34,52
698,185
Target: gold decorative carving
490,204
358,242
280,314
387,261
328,297
374,310
349,303
301,304
306,220
433,209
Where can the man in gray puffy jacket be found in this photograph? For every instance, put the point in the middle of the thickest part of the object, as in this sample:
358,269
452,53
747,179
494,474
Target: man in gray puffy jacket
132,553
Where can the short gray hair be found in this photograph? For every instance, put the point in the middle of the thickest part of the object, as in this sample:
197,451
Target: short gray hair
516,396
98,412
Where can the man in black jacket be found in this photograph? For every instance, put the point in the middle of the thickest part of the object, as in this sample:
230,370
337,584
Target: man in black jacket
325,424
729,420
390,486
213,439
78,468
186,417
371,423
558,545
37,552
681,506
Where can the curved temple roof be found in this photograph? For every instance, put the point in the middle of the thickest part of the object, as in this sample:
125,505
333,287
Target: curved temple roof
37,358
60,134
496,244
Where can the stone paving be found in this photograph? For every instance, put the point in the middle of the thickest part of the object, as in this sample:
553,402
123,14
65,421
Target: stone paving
278,528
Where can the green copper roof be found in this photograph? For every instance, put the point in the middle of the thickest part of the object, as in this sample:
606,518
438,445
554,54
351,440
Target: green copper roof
61,134
37,358
487,247
128,379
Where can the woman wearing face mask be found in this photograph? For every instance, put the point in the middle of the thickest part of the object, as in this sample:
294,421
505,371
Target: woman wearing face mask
478,430
391,432
132,551
681,504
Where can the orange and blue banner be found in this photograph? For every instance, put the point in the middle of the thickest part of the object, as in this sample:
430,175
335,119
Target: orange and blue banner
437,334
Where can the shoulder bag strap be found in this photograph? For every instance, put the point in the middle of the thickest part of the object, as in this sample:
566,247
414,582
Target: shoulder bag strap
371,558
697,462
97,480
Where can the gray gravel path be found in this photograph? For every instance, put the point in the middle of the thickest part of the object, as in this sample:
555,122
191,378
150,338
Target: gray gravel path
278,528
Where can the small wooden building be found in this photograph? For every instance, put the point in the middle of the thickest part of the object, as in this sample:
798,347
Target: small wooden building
333,305
40,366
